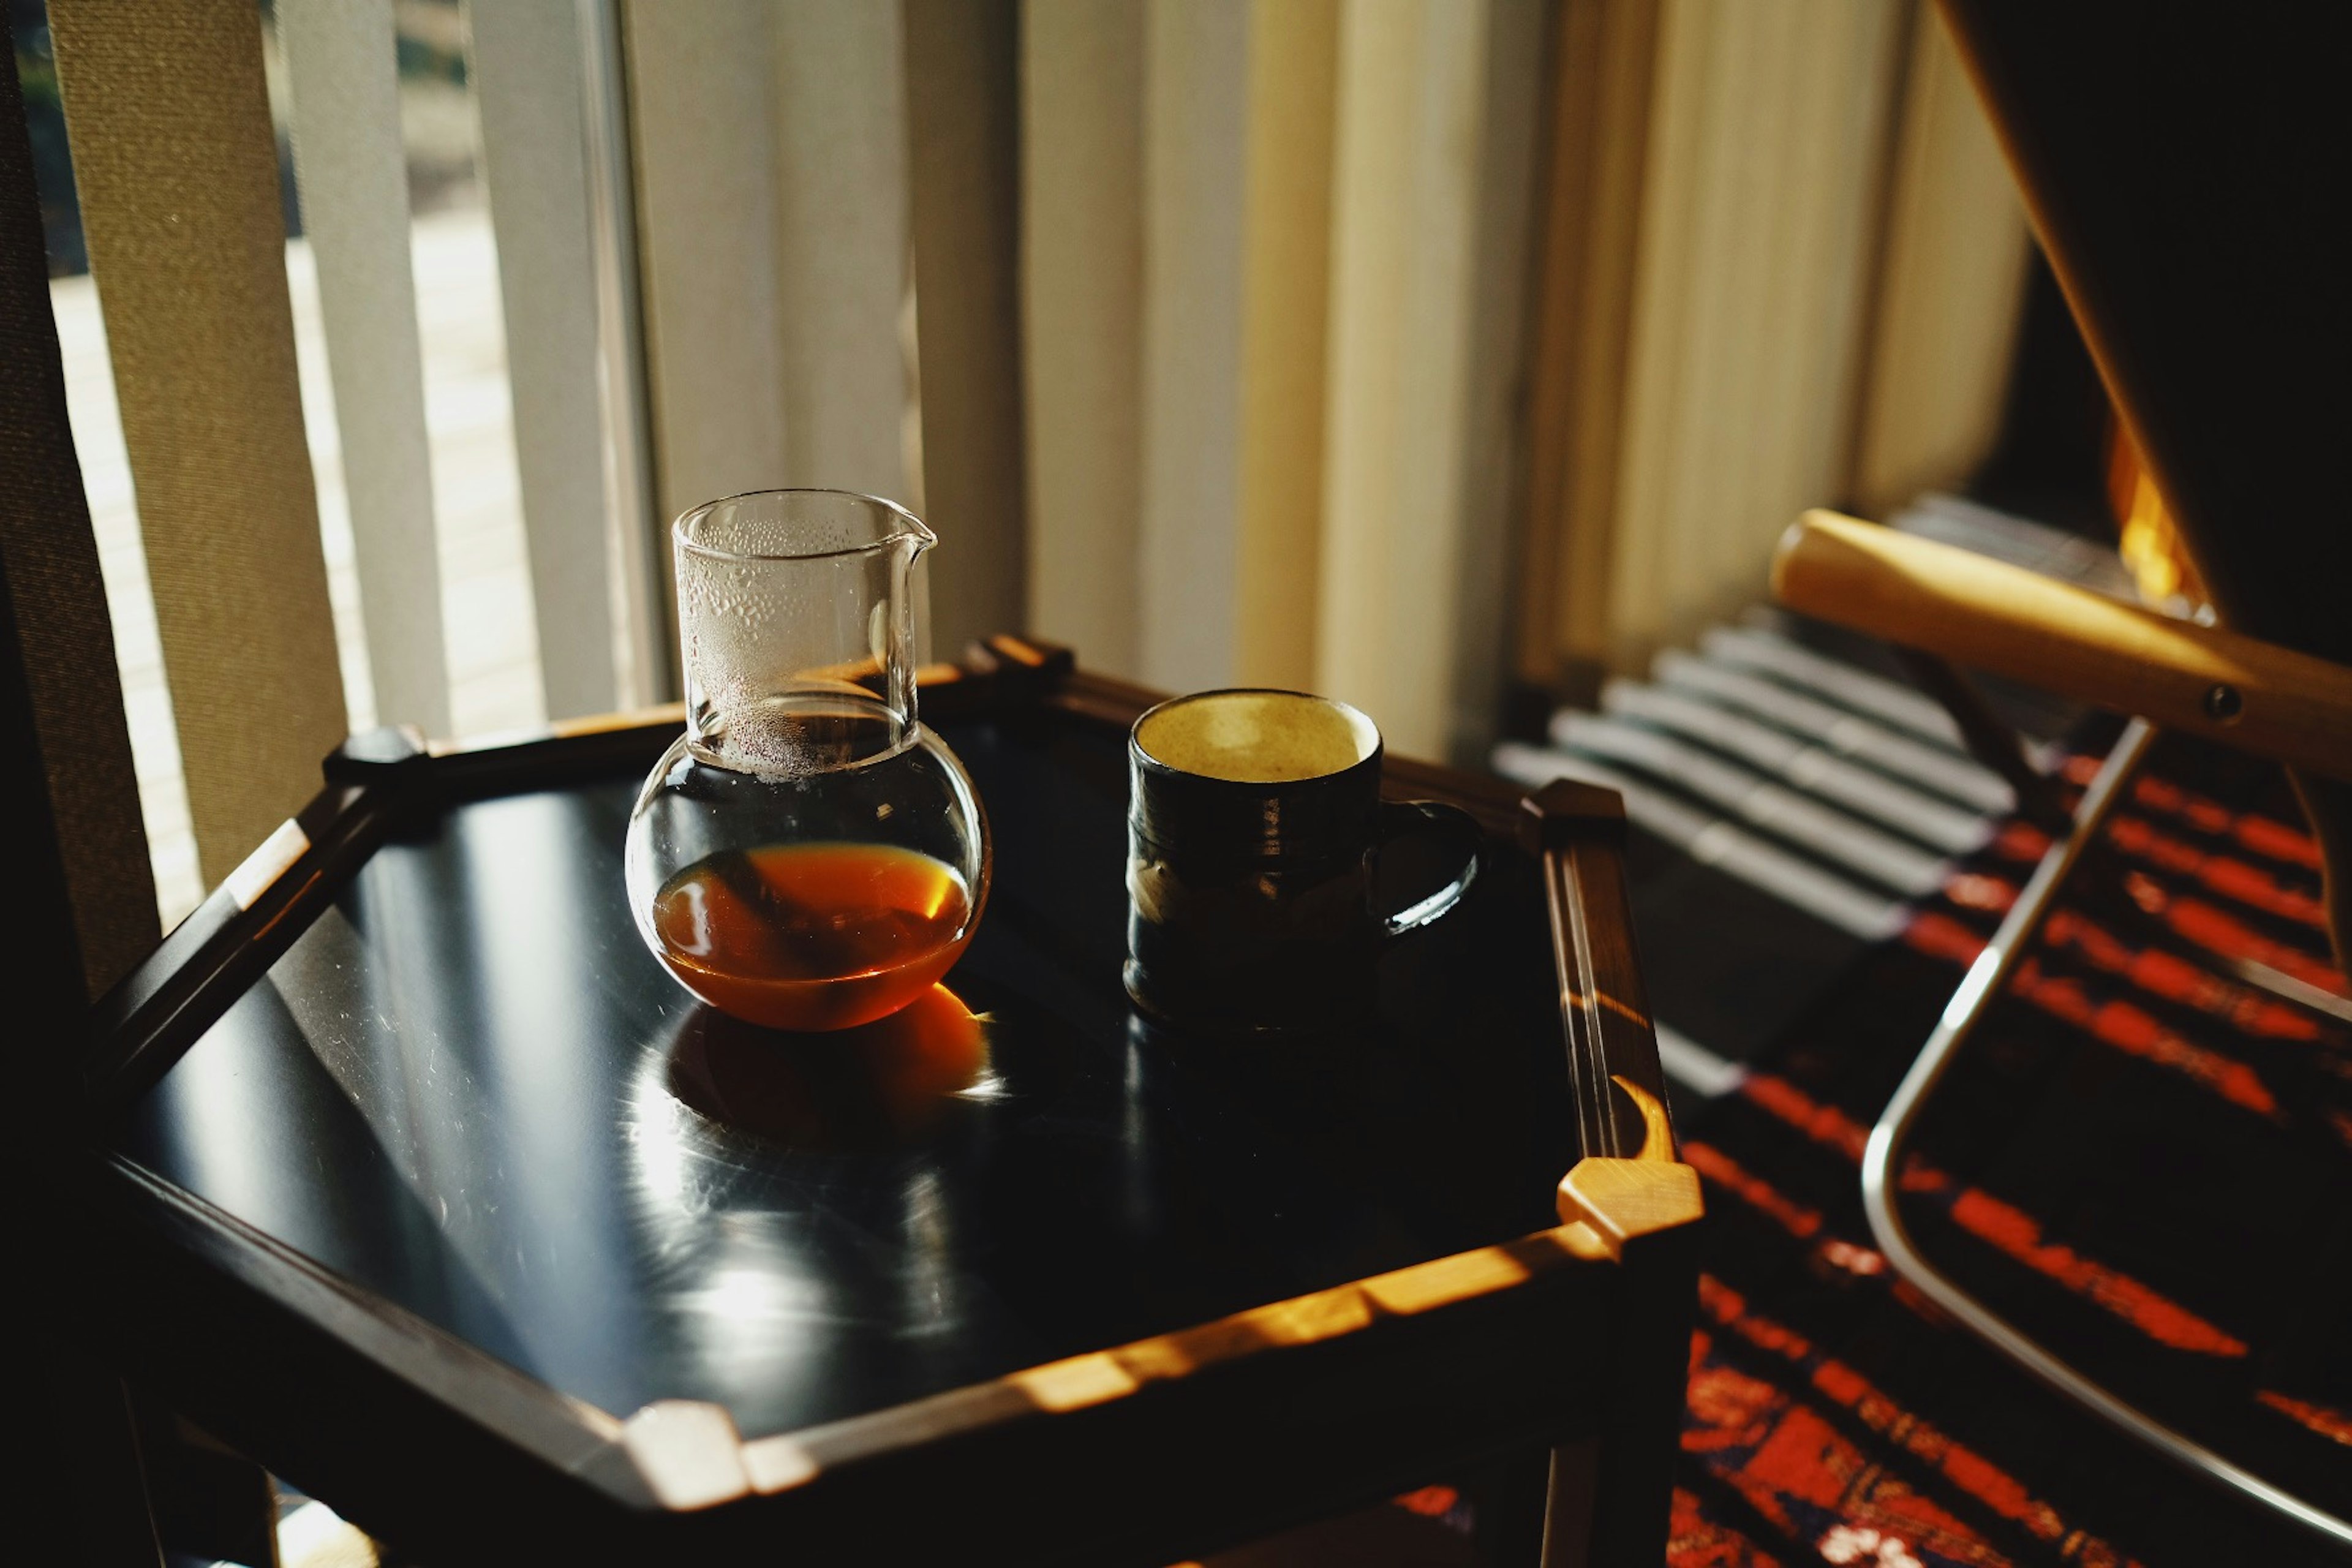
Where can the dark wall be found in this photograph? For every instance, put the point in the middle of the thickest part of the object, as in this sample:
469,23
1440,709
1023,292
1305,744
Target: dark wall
2049,461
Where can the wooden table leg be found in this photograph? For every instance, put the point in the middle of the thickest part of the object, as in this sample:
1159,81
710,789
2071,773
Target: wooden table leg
1509,1497
1569,1505
75,1494
1647,1210
209,1502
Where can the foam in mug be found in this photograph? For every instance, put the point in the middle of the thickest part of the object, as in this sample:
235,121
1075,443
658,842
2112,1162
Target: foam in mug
1257,737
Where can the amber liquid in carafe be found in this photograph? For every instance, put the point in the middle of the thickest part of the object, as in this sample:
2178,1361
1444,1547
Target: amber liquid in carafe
813,936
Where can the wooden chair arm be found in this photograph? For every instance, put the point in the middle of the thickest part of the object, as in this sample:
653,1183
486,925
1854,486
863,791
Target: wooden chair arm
2007,621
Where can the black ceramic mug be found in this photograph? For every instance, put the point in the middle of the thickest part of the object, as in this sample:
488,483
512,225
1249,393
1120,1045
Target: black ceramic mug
1254,831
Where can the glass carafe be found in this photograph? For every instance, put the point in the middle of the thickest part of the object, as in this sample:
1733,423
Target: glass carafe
806,856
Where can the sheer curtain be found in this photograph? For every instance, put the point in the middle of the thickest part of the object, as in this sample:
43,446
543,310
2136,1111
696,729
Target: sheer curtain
1273,256
1782,266
1395,349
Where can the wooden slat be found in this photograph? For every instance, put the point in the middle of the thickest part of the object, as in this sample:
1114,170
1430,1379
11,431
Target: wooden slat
841,242
1403,224
1082,318
527,57
76,738
963,132
178,169
344,92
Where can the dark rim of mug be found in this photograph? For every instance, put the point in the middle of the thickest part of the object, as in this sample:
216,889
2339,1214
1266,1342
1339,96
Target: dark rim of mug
908,527
1135,738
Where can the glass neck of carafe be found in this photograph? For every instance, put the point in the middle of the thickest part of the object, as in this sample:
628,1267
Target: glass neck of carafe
797,627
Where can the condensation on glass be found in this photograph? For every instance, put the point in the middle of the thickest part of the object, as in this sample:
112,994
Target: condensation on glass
806,855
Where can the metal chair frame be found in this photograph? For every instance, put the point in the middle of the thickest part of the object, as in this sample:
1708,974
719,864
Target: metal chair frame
1882,1155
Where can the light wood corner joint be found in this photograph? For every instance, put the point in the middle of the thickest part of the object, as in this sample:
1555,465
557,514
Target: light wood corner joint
1624,1200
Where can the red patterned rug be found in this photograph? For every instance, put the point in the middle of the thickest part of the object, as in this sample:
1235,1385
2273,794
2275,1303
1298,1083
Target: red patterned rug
2140,1158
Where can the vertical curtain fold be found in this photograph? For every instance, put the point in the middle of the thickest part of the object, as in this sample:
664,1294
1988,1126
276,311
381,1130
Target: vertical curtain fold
1404,208
641,592
1293,70
527,57
176,165
1951,284
840,124
1299,272
963,128
343,84
700,81
1196,137
1082,320
1670,451
1493,470
1602,77
1780,267
772,164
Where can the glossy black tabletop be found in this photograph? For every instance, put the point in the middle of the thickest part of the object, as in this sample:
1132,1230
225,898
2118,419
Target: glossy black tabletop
467,1086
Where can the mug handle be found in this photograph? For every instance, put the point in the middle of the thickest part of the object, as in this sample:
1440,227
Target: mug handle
1451,826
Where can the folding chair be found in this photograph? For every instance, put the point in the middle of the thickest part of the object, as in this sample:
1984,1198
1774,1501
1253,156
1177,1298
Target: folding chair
2165,673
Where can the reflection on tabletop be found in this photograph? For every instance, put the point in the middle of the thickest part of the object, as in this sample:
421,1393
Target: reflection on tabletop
883,1085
